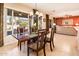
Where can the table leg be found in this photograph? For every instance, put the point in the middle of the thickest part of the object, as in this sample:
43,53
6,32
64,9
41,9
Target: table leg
20,45
27,48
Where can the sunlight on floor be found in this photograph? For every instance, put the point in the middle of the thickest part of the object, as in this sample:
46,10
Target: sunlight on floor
66,47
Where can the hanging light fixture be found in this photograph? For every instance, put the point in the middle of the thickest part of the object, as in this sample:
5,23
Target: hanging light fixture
36,9
41,14
37,13
31,13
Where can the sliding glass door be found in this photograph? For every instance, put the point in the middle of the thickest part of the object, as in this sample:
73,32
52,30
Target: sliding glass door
14,19
9,22
20,19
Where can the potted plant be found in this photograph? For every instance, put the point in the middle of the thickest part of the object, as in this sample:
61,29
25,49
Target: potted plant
23,24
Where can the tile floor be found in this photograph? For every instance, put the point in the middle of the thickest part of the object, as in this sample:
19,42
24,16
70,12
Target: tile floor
63,47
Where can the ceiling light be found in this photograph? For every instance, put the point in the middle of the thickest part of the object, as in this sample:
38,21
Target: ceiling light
37,13
53,10
20,14
31,13
76,24
41,14
54,24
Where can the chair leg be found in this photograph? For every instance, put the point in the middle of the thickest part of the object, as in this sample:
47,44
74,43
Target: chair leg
27,51
24,42
27,48
44,51
20,45
50,46
53,43
37,53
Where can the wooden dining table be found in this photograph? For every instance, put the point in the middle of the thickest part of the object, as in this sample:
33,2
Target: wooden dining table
29,36
26,37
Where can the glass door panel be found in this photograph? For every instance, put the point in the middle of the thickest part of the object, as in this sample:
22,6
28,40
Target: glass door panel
40,22
20,19
15,25
25,22
9,22
14,19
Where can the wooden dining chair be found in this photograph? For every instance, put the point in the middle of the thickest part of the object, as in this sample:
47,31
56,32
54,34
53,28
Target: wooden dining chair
21,36
50,39
39,44
52,36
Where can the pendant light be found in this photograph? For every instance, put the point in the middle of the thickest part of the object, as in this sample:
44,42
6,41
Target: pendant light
36,9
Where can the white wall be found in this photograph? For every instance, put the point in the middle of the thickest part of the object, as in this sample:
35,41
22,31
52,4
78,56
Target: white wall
73,13
18,6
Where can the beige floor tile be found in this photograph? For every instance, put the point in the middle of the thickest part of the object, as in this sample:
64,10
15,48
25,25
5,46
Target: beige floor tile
63,47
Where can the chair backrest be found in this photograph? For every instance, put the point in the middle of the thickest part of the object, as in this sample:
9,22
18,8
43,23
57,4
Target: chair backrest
20,30
42,31
52,33
41,37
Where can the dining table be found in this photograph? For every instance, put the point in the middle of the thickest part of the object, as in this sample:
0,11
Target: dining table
29,36
26,37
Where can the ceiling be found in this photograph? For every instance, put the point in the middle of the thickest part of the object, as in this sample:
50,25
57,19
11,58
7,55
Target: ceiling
54,8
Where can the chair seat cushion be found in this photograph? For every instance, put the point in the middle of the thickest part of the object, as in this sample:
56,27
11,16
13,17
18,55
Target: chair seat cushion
47,39
34,46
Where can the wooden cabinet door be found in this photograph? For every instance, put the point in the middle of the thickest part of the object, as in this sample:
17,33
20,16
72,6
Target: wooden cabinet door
1,23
